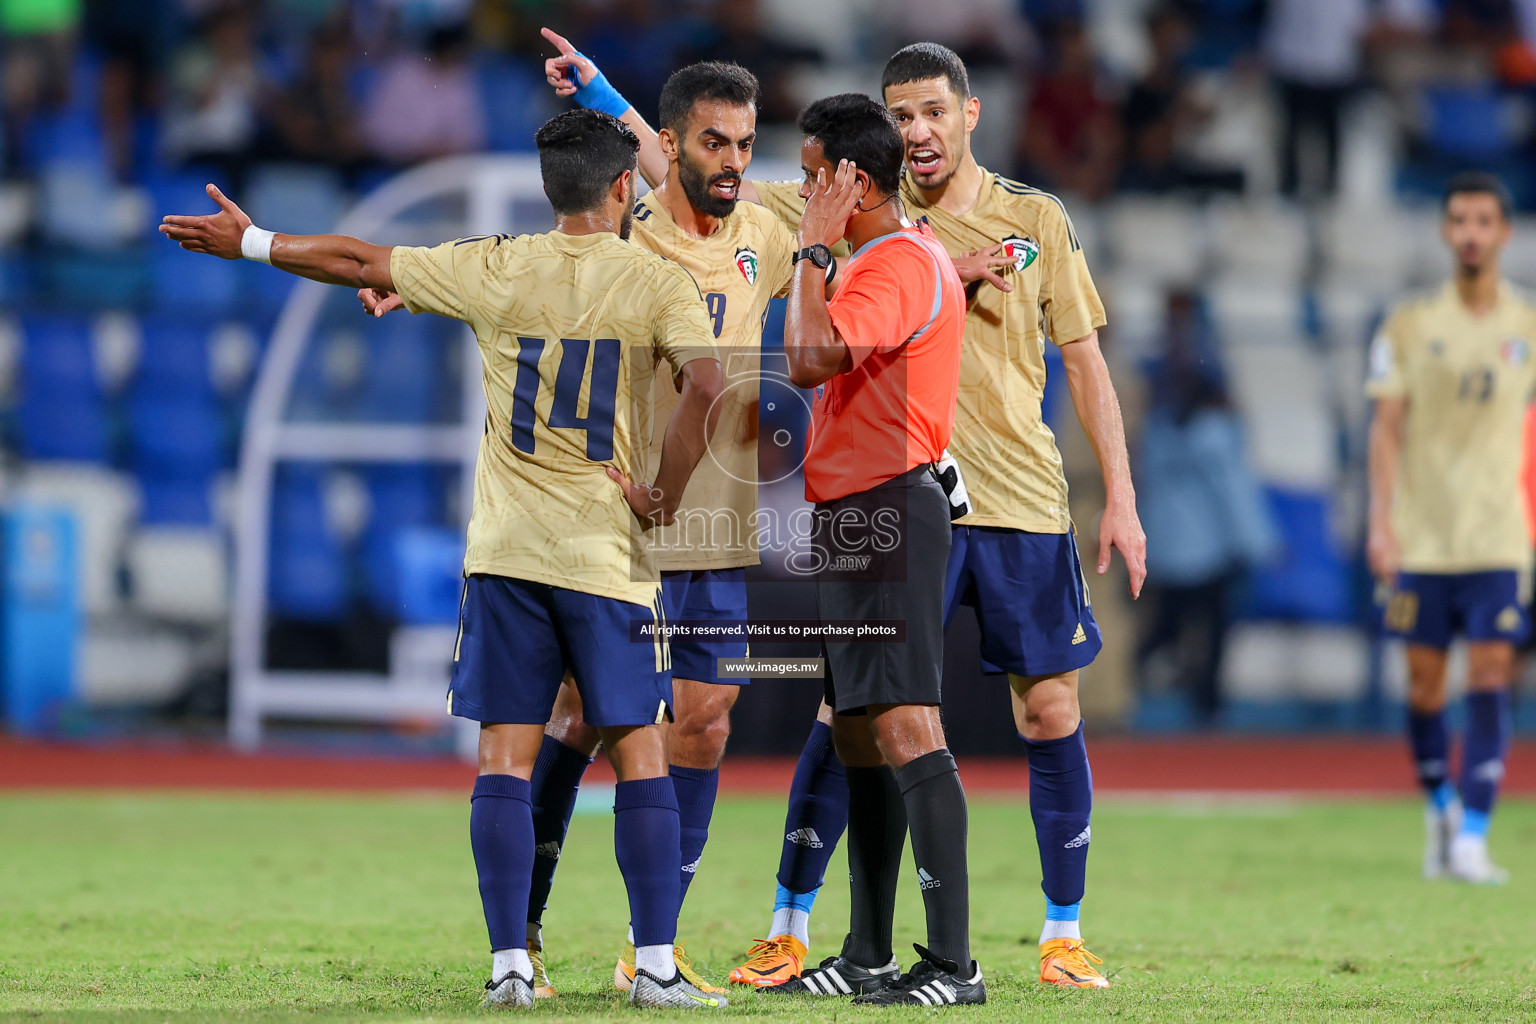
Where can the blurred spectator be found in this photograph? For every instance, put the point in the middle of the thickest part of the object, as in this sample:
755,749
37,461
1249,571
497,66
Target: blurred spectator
1204,515
315,117
1163,109
38,57
215,85
734,33
985,33
636,45
427,105
1071,137
132,37
1313,48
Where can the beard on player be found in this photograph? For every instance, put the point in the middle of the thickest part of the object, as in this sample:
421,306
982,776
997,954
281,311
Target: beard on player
627,220
704,190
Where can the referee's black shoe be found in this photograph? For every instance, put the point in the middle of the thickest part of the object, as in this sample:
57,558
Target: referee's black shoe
935,982
839,976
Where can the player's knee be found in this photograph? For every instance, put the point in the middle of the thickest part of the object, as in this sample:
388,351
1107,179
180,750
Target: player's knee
706,728
1426,693
568,727
1050,721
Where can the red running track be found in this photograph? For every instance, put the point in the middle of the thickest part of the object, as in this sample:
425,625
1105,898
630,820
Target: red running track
1339,767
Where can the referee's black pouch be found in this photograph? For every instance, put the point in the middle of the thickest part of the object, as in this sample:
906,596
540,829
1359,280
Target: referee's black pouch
947,472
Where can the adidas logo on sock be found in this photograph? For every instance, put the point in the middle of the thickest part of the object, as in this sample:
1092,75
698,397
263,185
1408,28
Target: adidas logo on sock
1083,838
927,881
694,867
549,850
805,837
1489,771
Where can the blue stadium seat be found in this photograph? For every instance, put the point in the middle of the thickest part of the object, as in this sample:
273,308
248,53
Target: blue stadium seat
1309,582
175,500
429,564
516,101
174,357
307,575
57,355
179,436
403,498
1468,122
403,380
302,199
63,426
69,136
182,281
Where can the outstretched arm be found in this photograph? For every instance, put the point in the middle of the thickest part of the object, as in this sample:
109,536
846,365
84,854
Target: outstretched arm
1098,409
329,259
573,75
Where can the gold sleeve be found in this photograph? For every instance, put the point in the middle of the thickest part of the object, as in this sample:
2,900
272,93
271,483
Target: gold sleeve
446,279
1386,375
1068,300
682,331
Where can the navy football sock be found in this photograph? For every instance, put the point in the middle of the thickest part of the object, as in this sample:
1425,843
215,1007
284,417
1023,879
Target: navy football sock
816,818
696,789
645,841
1431,746
556,778
501,836
1061,802
1482,762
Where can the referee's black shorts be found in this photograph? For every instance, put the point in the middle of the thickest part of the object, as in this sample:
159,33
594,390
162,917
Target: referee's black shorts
882,555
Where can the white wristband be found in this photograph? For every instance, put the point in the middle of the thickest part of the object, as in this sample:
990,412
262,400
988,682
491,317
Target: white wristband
256,244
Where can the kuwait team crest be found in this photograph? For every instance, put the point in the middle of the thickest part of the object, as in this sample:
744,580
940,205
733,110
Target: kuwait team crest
1516,351
1023,251
746,262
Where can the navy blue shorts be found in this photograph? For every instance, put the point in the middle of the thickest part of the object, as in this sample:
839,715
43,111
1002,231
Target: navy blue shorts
517,640
1030,596
1430,608
705,595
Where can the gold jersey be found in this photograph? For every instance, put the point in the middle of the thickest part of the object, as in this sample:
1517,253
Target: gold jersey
1467,379
746,262
572,329
1007,454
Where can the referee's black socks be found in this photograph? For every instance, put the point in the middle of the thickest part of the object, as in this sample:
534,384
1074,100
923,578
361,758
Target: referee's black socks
936,817
877,830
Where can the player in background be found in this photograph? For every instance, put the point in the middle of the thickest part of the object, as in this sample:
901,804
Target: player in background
558,569
1014,556
1452,374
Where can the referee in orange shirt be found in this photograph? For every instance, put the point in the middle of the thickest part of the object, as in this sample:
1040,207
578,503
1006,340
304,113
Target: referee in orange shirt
884,357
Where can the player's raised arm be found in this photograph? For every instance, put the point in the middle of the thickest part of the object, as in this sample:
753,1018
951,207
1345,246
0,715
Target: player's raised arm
329,259
573,76
812,346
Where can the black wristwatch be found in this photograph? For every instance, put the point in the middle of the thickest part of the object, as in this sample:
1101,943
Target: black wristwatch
817,254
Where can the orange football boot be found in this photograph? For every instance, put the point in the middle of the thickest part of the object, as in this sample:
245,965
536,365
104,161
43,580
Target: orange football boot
1067,962
771,962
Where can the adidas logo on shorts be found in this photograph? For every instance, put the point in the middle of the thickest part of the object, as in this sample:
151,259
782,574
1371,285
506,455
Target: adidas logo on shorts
1079,637
805,837
1082,839
549,850
927,881
692,868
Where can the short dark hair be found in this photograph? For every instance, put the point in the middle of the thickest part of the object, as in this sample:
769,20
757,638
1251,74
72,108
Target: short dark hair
1478,183
706,80
854,127
922,61
581,154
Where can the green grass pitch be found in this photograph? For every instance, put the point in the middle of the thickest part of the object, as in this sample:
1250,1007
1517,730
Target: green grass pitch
190,908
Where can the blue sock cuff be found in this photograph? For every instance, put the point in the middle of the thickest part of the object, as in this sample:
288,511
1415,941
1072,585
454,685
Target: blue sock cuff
677,771
1443,795
788,899
1062,912
656,792
1475,823
558,760
509,786
1048,749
